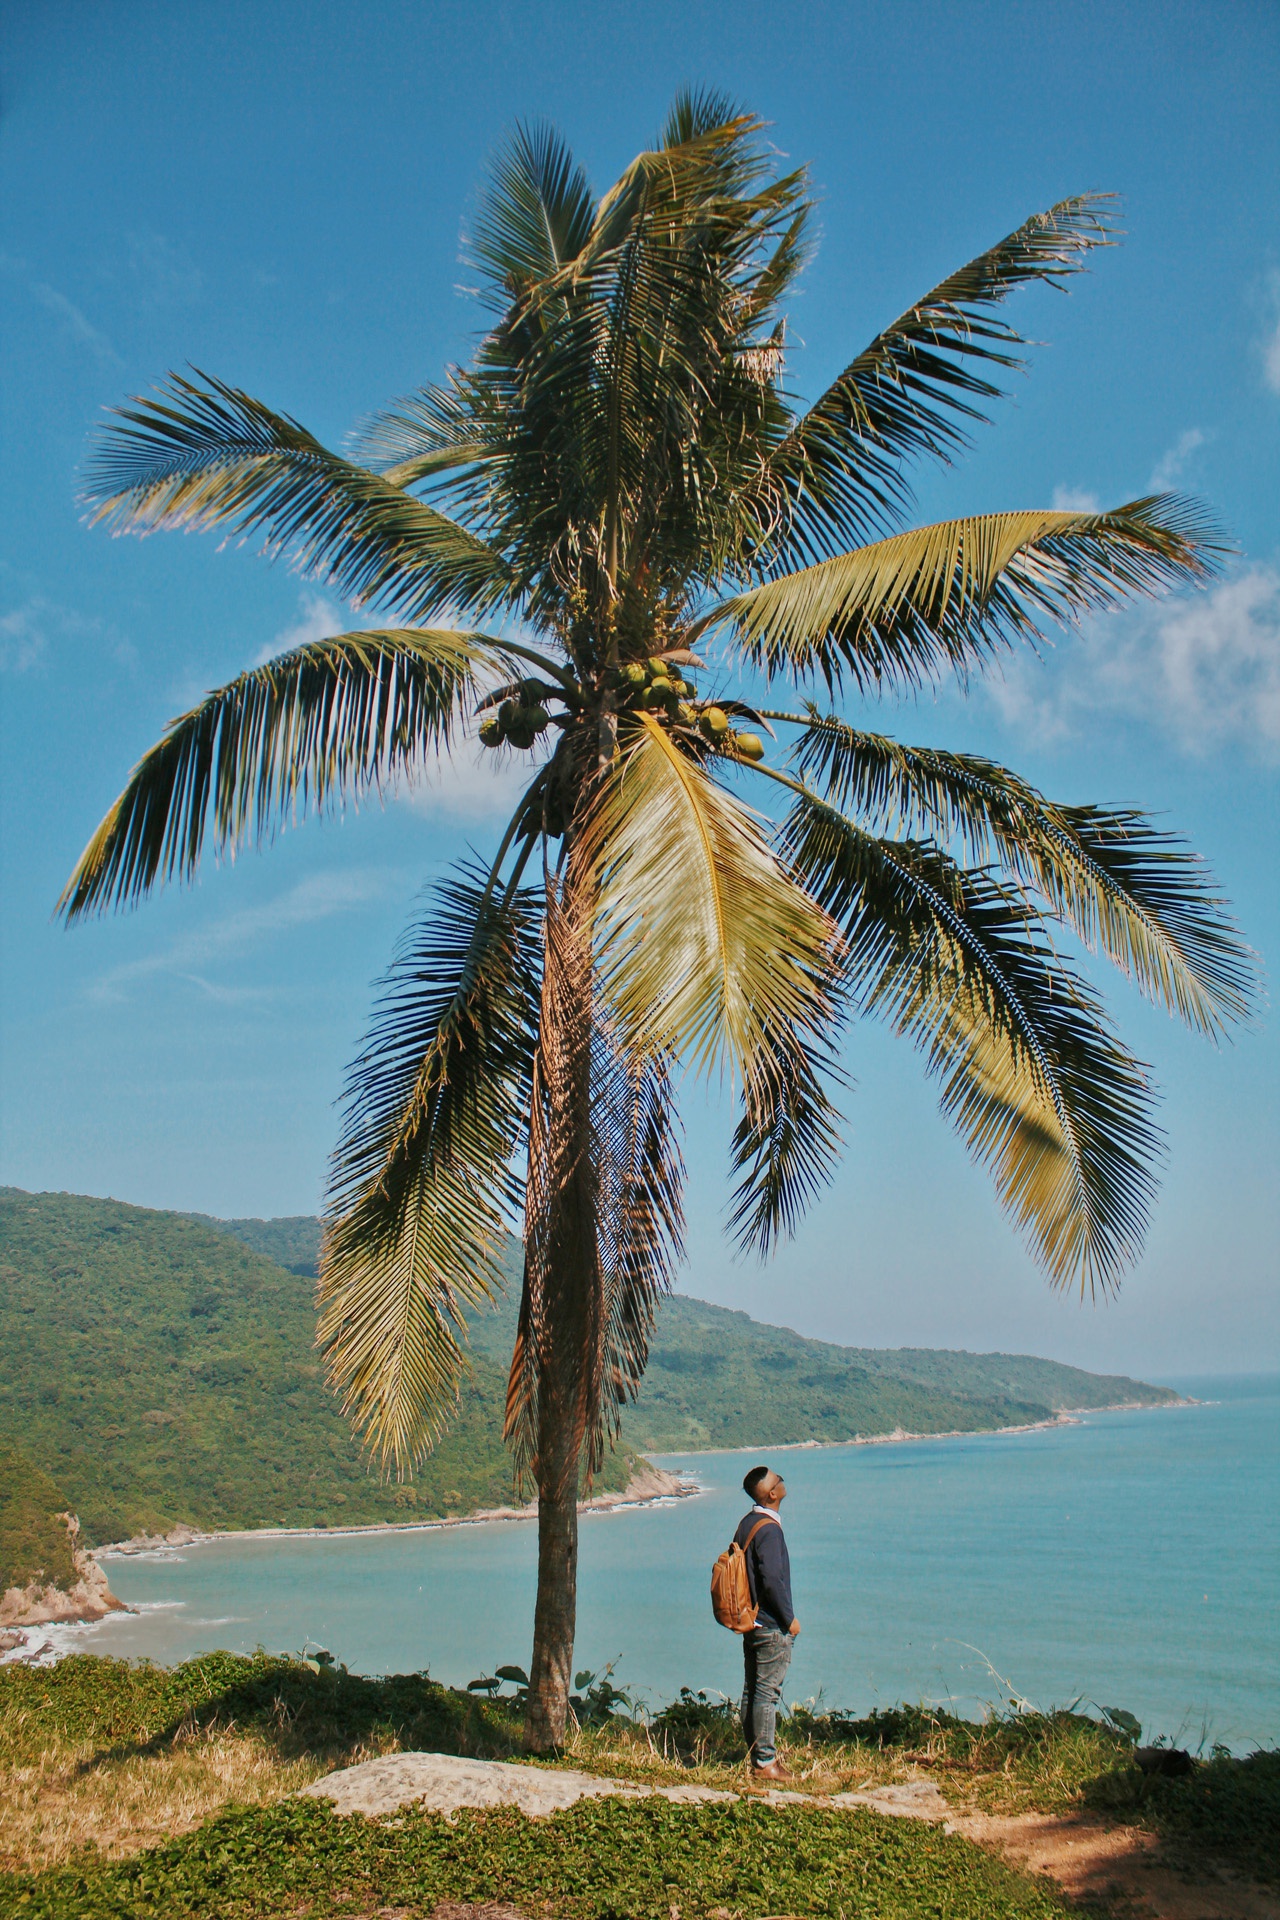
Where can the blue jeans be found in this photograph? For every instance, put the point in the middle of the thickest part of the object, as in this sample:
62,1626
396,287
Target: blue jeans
767,1655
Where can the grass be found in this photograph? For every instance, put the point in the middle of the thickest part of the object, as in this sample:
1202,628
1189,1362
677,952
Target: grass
138,1791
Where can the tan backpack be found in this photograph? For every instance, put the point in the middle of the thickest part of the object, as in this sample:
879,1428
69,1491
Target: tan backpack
731,1600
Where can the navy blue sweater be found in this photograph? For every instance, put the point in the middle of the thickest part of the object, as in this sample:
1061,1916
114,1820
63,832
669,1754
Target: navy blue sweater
768,1571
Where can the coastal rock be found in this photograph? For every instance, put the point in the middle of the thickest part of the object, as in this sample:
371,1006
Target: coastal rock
443,1783
88,1598
179,1536
908,1799
646,1483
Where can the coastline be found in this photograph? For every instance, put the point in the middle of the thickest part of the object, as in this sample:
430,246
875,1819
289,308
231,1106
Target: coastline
1064,1417
649,1487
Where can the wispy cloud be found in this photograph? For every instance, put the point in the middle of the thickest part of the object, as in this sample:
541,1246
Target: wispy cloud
319,898
318,619
1074,500
27,630
162,272
1271,337
1173,462
1204,671
473,782
75,325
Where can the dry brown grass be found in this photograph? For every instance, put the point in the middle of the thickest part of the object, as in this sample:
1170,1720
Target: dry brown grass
69,1799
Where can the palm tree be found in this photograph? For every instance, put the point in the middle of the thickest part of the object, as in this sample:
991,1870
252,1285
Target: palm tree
619,476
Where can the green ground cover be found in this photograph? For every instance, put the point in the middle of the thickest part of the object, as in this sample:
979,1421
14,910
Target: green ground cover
87,1722
596,1860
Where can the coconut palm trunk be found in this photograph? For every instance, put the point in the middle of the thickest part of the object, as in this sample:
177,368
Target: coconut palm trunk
610,546
555,1369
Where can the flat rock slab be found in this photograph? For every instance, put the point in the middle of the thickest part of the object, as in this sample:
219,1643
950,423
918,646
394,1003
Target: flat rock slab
909,1799
443,1783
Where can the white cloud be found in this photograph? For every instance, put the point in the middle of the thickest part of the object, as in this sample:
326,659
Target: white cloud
26,631
1171,464
163,273
1074,500
75,326
473,782
1205,671
318,619
1271,338
318,898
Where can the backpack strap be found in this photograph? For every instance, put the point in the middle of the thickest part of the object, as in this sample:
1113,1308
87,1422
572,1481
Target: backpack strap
771,1521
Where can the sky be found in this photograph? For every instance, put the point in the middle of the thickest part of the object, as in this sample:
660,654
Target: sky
277,193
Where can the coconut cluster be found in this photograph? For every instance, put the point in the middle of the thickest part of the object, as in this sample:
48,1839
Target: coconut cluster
518,721
658,685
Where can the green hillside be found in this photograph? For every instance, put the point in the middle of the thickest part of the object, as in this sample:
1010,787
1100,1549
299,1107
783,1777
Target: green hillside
159,1367
160,1372
720,1379
34,1542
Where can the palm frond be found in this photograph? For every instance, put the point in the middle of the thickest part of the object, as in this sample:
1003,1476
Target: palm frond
421,1187
426,434
706,945
921,383
1119,882
903,610
203,456
323,722
537,215
609,1184
1035,1081
787,1142
640,1219
557,1368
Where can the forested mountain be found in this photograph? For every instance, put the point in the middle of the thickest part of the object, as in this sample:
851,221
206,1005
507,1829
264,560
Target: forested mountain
160,1372
720,1379
159,1368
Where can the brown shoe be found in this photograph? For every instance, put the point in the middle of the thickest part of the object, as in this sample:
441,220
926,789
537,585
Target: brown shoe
772,1770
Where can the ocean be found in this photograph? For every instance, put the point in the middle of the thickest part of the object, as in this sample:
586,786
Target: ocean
1129,1560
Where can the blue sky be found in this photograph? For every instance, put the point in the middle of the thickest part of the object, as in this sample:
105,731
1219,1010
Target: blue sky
276,193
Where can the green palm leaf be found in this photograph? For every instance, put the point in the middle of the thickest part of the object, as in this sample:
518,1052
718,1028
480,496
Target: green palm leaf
211,456
1033,1078
421,1188
707,947
903,610
537,216
326,721
640,1231
787,1142
1119,882
913,390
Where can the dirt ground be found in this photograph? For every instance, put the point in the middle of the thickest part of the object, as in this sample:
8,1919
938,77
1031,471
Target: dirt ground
1094,1862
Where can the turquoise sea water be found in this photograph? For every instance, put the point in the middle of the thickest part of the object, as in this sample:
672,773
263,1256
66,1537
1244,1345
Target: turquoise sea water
1131,1560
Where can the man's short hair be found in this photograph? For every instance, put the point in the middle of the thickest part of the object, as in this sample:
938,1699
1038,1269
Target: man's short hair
754,1480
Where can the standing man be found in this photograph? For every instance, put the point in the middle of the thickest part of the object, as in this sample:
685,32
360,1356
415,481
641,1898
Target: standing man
767,1647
